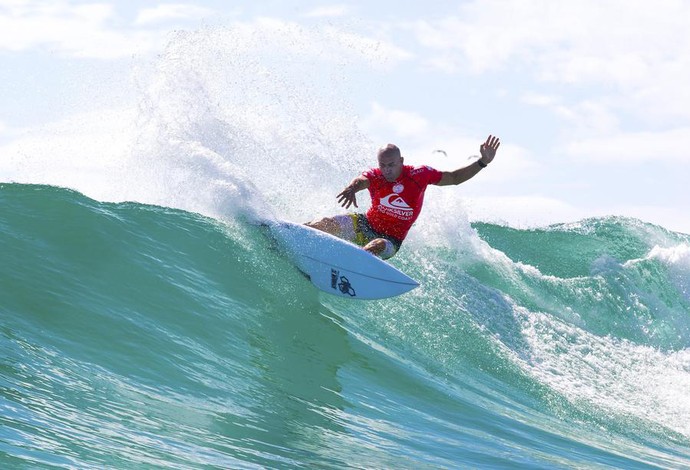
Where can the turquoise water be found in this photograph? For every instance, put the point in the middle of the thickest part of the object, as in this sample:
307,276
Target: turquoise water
141,336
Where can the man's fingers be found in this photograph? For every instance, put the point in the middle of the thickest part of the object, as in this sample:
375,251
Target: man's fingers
348,202
492,142
347,198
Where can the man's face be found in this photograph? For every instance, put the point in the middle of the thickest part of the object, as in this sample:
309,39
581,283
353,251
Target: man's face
391,166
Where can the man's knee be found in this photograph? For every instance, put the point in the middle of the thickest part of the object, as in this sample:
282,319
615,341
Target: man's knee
327,224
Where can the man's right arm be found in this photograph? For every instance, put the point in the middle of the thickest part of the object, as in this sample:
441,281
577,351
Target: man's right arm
347,196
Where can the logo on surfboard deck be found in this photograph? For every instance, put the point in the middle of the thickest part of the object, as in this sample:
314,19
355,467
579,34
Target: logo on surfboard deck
341,283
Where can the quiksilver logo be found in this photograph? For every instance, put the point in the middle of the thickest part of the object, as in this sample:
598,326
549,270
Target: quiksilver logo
396,206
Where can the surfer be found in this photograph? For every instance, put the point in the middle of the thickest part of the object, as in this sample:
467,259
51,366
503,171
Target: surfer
397,195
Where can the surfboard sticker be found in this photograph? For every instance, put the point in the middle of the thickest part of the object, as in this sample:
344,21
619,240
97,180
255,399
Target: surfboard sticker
339,267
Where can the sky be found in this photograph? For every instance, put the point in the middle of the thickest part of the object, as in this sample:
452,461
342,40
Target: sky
589,98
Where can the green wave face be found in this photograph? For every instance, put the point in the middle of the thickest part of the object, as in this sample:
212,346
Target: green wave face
136,335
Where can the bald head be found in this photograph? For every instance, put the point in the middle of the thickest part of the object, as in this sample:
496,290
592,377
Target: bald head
389,150
390,162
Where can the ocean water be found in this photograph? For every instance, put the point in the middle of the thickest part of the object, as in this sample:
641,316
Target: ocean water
136,335
146,321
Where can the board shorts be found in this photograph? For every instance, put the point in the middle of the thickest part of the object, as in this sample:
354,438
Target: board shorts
356,229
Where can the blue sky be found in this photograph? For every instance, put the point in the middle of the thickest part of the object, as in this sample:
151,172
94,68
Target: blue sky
590,98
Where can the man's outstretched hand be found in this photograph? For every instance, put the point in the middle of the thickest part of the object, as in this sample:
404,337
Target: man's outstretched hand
488,149
347,197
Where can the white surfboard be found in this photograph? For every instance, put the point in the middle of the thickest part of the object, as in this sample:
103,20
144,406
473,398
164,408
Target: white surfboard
339,267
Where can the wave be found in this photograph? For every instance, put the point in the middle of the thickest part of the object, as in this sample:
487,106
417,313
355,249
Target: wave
135,334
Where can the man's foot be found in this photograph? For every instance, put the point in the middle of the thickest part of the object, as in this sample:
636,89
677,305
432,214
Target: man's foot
376,246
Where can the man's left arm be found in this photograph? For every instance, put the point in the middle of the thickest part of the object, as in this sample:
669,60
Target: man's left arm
488,151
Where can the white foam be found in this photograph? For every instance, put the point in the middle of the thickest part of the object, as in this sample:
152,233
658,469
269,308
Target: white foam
222,123
605,374
678,255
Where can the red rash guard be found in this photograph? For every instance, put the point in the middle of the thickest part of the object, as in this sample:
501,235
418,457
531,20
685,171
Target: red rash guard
395,206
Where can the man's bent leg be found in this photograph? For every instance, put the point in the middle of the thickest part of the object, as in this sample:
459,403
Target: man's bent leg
327,224
343,226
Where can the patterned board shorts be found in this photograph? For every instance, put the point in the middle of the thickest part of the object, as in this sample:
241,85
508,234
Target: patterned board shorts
356,229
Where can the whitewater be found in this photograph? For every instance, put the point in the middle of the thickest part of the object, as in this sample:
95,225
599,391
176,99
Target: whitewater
146,321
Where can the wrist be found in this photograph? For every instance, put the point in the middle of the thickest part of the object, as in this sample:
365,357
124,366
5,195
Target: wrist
481,163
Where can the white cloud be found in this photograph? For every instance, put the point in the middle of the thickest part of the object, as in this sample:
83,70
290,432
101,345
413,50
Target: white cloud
30,24
665,146
446,63
328,11
98,31
577,40
538,99
584,118
638,51
396,123
168,12
72,30
87,30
